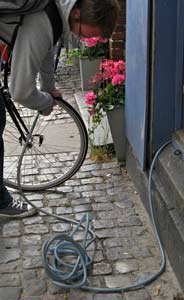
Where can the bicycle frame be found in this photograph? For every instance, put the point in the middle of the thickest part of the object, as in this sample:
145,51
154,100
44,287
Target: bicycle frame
54,151
13,112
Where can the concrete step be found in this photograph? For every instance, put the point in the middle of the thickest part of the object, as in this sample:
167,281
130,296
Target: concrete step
170,170
168,198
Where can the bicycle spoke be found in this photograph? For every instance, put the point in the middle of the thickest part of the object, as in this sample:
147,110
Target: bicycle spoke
55,150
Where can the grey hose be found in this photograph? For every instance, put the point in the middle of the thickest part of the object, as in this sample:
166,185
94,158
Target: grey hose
73,273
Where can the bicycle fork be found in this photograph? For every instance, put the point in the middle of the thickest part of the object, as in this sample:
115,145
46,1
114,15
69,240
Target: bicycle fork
19,123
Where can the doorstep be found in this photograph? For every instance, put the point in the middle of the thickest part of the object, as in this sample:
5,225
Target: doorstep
168,202
102,134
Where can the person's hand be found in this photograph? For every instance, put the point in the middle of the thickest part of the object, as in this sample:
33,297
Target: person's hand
56,94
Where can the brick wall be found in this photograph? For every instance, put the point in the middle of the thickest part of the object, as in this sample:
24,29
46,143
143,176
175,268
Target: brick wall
117,42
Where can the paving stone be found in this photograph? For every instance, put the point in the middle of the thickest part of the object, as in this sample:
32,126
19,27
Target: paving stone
64,210
34,196
31,240
129,221
33,220
123,242
56,202
11,267
12,229
123,204
107,172
9,280
83,188
118,253
103,199
98,256
103,206
61,227
110,296
53,196
46,210
80,295
92,180
80,201
141,252
33,251
98,224
101,269
10,243
116,213
9,255
72,182
34,287
73,195
53,289
80,175
12,293
93,194
64,189
110,165
113,232
87,168
118,281
32,262
126,266
81,208
29,275
39,228
138,295
103,186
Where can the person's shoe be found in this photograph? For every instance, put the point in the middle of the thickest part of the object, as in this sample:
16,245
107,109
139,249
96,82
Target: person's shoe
5,196
17,210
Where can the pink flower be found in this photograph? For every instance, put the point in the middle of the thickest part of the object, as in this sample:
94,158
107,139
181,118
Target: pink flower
118,79
90,42
90,98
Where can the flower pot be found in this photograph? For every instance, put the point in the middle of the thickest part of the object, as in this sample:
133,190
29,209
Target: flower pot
88,68
116,118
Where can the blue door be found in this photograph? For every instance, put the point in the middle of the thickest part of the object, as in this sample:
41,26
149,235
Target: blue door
154,83
137,75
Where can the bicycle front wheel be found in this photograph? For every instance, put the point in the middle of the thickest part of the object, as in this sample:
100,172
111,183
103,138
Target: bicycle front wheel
55,152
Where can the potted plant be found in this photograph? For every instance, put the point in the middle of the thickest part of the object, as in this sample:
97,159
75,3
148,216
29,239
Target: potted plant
90,54
108,95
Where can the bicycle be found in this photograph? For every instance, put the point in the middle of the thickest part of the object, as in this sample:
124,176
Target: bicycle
55,151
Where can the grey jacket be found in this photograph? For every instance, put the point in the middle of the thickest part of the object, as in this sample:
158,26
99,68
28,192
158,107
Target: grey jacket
33,54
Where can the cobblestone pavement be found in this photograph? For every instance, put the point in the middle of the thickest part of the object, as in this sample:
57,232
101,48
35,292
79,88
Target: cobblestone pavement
126,249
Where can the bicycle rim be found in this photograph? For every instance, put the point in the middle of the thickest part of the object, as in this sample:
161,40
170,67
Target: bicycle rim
56,150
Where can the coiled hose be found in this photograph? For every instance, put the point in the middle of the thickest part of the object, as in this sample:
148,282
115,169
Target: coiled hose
66,262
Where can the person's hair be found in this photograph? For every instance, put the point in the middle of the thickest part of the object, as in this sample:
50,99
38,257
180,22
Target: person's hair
102,13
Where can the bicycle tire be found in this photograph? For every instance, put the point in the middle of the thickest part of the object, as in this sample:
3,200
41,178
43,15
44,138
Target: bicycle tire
58,148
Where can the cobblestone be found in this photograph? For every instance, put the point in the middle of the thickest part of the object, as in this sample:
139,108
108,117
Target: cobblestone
9,280
12,293
12,229
126,248
9,255
126,266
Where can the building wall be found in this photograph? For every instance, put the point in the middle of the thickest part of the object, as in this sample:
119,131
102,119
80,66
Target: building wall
117,42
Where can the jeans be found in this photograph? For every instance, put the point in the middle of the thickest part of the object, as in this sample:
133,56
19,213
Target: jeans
2,126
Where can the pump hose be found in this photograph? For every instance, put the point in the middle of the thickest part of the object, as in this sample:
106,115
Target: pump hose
66,262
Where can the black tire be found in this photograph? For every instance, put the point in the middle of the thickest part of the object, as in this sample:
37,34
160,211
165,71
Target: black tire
58,148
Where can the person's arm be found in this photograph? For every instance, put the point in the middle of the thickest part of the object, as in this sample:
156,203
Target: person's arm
33,43
47,81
